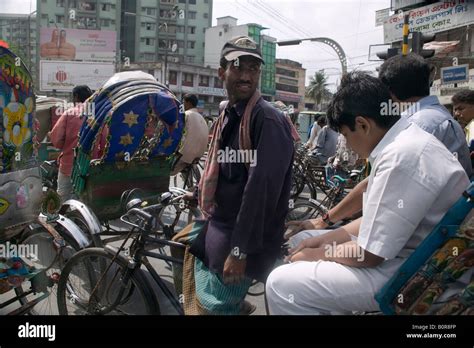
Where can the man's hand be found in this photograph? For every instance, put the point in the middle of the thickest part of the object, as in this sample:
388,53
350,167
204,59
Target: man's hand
234,270
308,243
298,226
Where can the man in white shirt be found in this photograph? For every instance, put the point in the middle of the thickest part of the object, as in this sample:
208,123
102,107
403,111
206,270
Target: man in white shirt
313,137
408,192
195,137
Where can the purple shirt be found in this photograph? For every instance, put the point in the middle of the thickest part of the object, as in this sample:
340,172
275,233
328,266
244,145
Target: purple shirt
252,204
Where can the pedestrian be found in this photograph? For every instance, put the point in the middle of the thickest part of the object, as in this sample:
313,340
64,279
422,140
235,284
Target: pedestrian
463,107
195,137
339,271
64,136
326,142
244,203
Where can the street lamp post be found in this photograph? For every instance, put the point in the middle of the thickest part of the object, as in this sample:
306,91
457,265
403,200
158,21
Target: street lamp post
330,42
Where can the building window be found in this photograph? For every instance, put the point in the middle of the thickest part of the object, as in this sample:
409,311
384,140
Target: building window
104,22
167,1
191,44
204,81
204,98
192,14
86,6
149,57
149,26
218,83
59,19
149,41
173,77
180,29
188,80
112,6
192,2
180,44
190,59
206,1
191,30
44,16
163,43
112,21
59,3
182,1
206,15
105,7
150,11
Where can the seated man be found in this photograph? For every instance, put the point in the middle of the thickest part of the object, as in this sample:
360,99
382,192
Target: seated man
339,271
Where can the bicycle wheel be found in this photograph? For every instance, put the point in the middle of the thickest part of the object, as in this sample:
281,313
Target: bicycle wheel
303,210
97,287
49,258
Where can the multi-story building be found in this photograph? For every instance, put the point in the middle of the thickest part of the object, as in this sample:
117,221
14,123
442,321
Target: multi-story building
290,83
165,30
204,82
225,30
19,31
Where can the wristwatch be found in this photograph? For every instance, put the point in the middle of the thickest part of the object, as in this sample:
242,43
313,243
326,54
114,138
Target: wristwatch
326,219
238,255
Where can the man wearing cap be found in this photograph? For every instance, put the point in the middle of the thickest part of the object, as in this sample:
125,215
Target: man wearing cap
245,203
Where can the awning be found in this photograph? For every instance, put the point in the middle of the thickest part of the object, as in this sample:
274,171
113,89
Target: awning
442,48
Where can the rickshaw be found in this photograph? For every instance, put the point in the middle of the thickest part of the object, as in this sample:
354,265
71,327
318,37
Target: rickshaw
132,129
22,201
429,281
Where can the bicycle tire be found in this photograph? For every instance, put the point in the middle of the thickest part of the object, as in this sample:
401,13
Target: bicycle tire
304,210
45,260
97,260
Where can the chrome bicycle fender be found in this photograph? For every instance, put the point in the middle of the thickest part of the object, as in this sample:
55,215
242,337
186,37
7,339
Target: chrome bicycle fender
90,218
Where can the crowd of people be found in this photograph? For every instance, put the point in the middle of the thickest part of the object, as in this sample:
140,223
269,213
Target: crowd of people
420,162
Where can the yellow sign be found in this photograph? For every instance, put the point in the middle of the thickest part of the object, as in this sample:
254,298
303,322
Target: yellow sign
3,206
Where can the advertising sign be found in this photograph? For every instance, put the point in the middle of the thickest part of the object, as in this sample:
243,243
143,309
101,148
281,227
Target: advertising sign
430,19
78,44
63,76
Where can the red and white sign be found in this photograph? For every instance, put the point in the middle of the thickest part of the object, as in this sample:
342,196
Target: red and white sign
63,76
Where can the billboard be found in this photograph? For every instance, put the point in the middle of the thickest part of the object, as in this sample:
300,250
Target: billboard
63,76
430,19
78,44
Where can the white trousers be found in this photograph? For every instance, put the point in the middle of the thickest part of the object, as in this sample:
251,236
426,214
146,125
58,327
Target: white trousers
325,287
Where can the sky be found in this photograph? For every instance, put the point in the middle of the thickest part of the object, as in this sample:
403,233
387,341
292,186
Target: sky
349,22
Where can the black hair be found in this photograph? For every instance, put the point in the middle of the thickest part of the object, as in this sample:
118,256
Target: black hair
82,92
322,121
463,96
359,94
191,98
406,76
